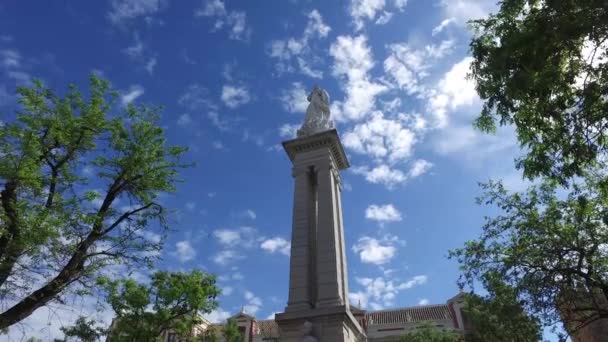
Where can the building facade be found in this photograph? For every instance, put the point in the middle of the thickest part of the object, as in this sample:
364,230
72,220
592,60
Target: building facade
378,326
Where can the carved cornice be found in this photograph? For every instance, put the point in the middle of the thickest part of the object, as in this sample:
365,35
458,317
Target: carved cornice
313,142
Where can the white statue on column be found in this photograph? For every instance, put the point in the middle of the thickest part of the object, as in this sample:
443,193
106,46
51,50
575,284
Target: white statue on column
317,117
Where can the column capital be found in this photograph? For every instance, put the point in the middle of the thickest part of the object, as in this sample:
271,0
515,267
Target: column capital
299,170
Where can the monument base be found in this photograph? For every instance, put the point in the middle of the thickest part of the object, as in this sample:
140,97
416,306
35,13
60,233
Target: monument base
332,324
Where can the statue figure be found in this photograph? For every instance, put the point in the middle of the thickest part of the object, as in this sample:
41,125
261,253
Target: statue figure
317,117
307,336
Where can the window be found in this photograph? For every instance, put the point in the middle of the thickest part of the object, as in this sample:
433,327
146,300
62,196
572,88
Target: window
172,337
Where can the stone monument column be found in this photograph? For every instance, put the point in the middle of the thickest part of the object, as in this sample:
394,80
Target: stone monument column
318,280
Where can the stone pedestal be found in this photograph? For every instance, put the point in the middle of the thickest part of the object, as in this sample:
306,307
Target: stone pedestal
335,324
318,280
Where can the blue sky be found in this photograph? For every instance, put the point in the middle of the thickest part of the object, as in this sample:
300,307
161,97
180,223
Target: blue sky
233,77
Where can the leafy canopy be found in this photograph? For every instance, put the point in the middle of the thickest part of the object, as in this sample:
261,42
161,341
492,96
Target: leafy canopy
499,316
79,184
550,249
428,333
232,332
172,301
542,66
83,330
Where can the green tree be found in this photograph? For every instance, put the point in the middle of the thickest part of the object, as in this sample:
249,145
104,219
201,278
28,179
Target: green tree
176,301
542,66
429,333
232,332
499,316
60,226
83,330
550,249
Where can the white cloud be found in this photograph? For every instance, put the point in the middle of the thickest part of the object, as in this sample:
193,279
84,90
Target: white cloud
419,167
381,138
453,90
276,244
217,145
245,237
364,9
235,96
295,100
250,214
352,62
225,257
218,316
227,290
190,206
400,4
384,18
358,298
184,251
373,251
45,323
196,97
10,58
151,65
227,236
122,11
235,21
212,8
297,53
132,94
444,23
184,120
288,130
254,303
380,292
136,50
383,213
414,281
465,10
382,174
407,66
423,301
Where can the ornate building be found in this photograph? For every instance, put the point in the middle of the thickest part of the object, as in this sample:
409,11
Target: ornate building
377,326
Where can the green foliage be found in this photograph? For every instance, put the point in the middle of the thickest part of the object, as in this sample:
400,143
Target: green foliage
499,316
52,219
232,332
176,299
542,66
549,247
83,330
429,333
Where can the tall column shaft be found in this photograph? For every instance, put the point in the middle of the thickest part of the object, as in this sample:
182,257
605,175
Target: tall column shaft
330,262
300,275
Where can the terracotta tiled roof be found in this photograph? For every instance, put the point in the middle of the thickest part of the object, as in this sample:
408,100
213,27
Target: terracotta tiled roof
267,328
408,315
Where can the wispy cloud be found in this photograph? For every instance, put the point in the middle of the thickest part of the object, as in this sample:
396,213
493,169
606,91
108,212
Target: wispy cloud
353,60
296,54
184,251
123,11
235,96
276,244
383,213
132,94
234,21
